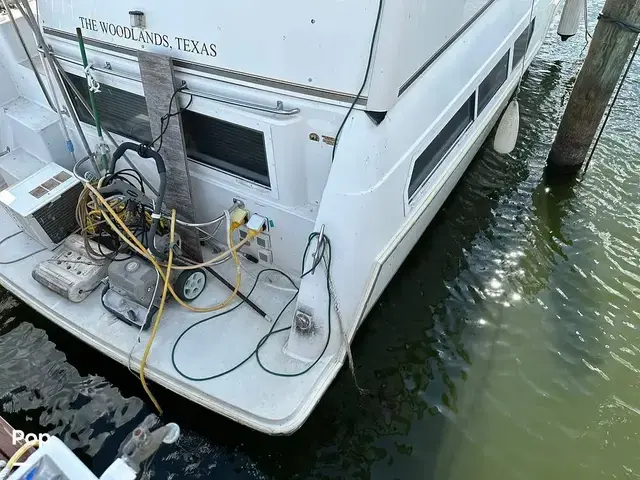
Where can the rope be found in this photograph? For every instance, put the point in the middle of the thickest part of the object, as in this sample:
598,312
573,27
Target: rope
615,99
343,332
620,23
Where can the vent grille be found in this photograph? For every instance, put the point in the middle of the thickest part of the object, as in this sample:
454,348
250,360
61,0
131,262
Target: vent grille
58,218
233,148
121,112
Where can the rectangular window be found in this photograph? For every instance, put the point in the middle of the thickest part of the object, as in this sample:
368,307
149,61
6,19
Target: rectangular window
441,145
233,148
227,146
490,85
121,112
522,43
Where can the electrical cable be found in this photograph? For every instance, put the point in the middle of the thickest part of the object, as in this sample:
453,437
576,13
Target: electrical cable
240,295
17,456
615,99
324,248
156,323
326,243
236,306
166,119
16,260
364,82
137,247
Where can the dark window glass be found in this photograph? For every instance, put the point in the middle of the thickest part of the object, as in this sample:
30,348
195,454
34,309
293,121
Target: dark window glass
440,146
522,43
121,112
490,85
233,148
230,147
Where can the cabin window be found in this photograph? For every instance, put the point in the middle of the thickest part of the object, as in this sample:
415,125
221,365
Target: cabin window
428,160
233,148
121,112
227,146
490,85
522,43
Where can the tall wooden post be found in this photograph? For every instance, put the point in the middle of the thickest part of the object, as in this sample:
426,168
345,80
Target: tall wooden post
610,48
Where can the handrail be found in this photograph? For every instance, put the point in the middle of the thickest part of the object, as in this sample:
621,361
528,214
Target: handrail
277,110
107,69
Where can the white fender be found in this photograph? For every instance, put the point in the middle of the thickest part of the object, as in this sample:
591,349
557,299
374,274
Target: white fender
508,129
570,20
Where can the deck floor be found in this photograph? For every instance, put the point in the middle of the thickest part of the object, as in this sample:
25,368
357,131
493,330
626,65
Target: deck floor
249,395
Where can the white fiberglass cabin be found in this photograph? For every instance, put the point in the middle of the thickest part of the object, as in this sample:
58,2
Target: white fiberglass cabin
353,120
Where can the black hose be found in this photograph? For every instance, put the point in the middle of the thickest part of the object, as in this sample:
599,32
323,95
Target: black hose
146,152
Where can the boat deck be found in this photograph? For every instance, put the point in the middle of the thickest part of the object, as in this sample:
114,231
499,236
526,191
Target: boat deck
249,395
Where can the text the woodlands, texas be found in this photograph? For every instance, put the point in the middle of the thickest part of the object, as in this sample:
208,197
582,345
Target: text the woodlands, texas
183,44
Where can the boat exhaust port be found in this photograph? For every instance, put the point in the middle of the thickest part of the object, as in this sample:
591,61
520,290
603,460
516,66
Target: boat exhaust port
304,324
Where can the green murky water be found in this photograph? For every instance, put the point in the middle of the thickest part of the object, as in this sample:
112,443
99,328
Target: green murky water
508,345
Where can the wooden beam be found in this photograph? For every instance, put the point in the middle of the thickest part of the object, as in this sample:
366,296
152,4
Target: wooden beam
610,48
7,448
159,86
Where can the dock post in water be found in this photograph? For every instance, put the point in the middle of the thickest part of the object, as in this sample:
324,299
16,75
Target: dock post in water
613,41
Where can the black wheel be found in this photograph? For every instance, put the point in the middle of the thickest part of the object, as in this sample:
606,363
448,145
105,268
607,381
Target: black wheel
190,284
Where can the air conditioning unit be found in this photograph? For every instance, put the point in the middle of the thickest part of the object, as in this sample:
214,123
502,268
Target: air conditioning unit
44,204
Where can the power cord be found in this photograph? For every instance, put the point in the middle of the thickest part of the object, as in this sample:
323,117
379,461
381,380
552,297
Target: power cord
364,82
16,260
166,119
324,248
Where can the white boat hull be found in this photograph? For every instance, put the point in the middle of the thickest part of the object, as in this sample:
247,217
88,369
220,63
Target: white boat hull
365,200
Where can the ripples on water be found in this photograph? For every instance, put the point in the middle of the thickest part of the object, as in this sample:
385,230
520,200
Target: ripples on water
506,347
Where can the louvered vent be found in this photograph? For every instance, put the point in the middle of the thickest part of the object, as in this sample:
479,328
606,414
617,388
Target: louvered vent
58,218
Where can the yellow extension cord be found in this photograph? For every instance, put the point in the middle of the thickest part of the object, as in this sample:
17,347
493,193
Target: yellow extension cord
156,324
20,453
137,247
135,244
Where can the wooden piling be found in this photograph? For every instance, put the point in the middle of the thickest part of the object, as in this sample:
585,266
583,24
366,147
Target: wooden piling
609,51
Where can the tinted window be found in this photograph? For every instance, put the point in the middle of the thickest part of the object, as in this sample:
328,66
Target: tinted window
490,85
440,146
220,144
121,112
230,147
522,44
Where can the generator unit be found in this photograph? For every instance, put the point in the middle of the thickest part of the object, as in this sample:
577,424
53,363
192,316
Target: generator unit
44,204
